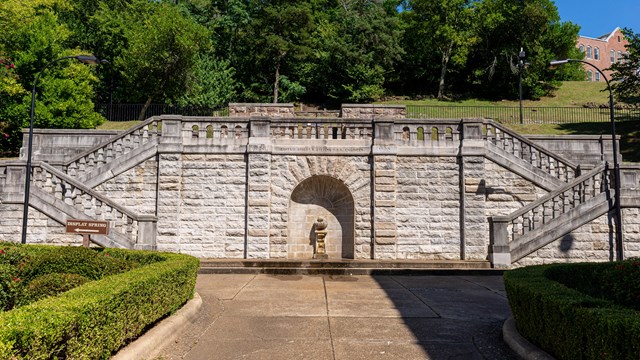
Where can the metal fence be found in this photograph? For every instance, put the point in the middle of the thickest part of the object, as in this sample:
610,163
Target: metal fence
531,114
127,112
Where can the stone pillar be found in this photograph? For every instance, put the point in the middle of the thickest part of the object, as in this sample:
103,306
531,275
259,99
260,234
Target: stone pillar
169,203
475,218
258,190
384,192
499,254
147,230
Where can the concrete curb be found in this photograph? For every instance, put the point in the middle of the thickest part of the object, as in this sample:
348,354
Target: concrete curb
520,345
150,343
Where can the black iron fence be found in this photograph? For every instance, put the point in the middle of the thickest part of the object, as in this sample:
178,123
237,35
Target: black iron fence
530,114
127,112
503,114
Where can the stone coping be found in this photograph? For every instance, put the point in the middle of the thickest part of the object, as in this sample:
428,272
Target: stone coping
376,106
73,131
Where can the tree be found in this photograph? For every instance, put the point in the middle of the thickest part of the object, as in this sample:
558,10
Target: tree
31,36
506,26
212,83
156,47
626,73
440,31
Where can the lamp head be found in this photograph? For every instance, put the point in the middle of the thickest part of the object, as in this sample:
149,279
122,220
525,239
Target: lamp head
555,63
91,60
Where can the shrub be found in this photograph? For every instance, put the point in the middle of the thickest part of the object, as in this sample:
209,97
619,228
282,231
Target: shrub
8,284
74,260
94,320
568,323
49,285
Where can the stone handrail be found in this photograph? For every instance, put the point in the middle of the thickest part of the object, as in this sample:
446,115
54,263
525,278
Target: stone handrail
214,129
115,148
420,132
62,187
321,128
528,151
552,205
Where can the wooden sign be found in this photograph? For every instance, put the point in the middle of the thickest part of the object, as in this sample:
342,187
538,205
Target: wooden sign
87,227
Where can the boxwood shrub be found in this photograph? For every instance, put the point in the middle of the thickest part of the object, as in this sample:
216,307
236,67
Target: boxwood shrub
96,319
569,323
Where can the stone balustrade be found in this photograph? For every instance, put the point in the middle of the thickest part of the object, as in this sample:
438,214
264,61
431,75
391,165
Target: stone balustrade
526,150
138,229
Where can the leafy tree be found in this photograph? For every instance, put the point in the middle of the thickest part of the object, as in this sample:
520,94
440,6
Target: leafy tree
12,111
506,26
212,83
626,73
157,46
440,32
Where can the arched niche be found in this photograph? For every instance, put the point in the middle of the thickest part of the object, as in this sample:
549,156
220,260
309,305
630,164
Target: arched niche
327,197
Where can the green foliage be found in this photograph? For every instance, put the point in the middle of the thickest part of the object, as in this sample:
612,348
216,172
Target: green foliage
12,111
95,320
49,285
618,282
74,260
626,74
212,83
561,320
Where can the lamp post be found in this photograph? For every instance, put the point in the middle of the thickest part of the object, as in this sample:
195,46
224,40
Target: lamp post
87,59
616,167
521,66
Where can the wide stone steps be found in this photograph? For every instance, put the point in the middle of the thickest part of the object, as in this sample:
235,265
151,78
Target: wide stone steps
346,267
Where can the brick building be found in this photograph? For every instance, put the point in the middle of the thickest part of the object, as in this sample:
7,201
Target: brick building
602,52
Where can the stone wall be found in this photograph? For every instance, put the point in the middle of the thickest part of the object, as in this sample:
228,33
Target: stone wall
201,204
372,111
41,229
267,110
57,145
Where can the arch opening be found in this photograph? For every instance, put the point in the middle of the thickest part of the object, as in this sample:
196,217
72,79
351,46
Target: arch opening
327,197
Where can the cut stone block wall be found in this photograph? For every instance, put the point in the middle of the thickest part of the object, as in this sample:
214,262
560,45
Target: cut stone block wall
41,229
267,110
371,111
201,204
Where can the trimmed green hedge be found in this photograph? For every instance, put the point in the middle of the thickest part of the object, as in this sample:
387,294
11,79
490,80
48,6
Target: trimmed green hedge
567,323
96,319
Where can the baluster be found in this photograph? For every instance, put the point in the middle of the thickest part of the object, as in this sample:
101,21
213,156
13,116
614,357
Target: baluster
537,217
119,150
490,135
57,188
202,131
145,134
134,231
98,209
109,153
77,199
68,195
516,147
576,196
588,189
82,166
91,163
100,158
526,223
517,227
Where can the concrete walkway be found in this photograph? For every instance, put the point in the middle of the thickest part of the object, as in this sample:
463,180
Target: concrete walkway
346,317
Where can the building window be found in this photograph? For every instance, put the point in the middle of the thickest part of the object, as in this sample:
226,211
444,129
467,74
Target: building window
619,56
582,48
613,56
589,52
597,76
596,53
589,75
618,38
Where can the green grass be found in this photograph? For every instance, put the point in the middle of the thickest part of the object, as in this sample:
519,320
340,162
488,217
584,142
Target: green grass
570,93
118,125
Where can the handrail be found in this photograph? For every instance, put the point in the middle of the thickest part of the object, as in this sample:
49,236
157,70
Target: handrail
575,182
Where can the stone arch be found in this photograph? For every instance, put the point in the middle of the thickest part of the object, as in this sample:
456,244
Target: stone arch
328,197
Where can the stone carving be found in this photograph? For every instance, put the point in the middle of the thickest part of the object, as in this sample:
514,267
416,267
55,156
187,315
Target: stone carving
321,233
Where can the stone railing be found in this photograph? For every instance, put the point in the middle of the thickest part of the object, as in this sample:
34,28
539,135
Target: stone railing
526,150
115,148
440,133
373,111
506,231
264,109
136,228
321,129
197,130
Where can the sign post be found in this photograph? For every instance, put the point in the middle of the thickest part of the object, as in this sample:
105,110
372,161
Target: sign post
86,228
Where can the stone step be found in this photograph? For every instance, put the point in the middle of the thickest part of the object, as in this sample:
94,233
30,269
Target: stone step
346,267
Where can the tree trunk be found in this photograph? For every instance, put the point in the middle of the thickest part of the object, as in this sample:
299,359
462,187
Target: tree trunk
276,83
446,55
144,109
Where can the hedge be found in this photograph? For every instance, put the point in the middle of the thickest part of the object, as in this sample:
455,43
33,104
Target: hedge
567,323
96,319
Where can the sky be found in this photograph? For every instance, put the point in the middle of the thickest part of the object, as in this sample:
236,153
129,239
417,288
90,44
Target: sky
600,17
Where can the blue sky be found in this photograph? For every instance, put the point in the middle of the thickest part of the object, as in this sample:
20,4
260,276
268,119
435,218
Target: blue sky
600,17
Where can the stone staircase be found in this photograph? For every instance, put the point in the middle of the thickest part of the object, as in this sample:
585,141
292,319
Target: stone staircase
573,200
552,216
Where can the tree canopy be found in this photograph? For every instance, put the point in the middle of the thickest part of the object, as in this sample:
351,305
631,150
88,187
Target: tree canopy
210,52
626,73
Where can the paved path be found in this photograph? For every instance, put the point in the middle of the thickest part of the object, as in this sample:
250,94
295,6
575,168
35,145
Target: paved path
346,317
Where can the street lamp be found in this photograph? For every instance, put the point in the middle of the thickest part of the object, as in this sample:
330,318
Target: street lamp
616,167
521,66
87,59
